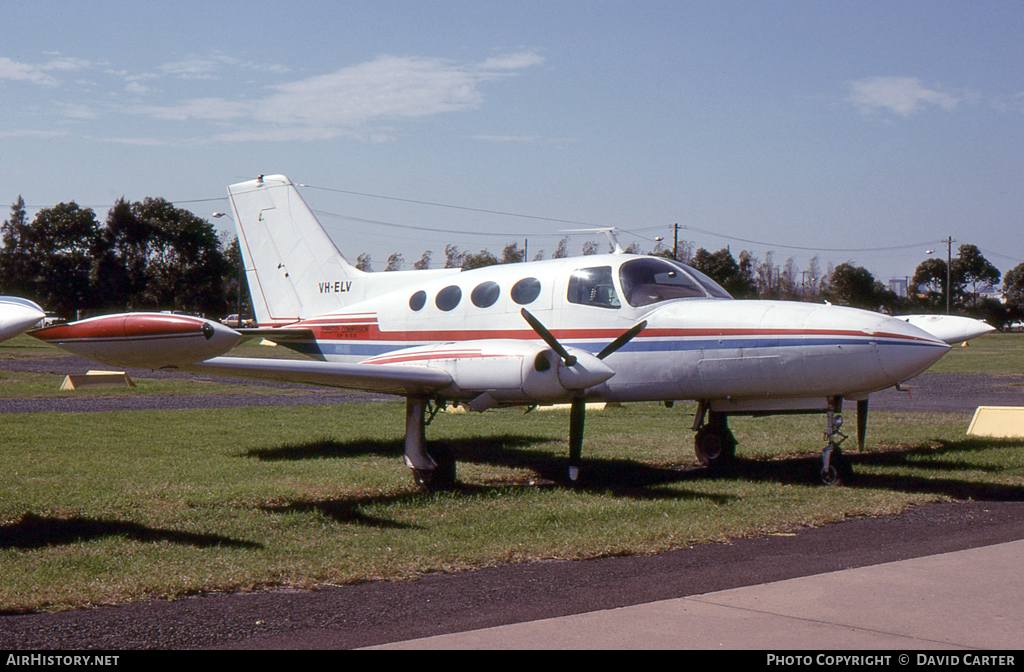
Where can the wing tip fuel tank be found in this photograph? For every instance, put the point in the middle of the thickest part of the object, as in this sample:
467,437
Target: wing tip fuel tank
143,340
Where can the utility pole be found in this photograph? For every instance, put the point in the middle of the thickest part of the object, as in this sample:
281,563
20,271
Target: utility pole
675,242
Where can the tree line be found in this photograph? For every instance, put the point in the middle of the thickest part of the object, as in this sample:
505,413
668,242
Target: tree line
147,255
151,255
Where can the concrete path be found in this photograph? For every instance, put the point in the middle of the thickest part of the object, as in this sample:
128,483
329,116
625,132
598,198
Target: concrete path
971,599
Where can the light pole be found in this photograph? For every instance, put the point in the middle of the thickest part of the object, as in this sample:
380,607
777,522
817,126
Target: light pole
949,268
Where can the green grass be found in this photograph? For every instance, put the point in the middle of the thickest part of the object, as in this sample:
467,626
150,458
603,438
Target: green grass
102,508
105,508
995,353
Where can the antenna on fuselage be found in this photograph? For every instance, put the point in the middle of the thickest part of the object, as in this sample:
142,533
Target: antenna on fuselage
606,230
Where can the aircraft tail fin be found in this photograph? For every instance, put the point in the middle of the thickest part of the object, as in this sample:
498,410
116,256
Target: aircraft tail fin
293,267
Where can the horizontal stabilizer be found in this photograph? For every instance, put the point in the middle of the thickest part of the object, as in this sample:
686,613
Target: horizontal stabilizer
280,335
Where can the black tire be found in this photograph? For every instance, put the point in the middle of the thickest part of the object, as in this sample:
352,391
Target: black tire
839,471
441,477
715,447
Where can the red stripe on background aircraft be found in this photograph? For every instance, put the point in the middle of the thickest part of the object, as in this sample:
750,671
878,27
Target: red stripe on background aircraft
614,327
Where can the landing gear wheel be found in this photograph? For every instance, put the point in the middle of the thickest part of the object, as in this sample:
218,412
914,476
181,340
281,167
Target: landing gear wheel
442,477
715,446
838,470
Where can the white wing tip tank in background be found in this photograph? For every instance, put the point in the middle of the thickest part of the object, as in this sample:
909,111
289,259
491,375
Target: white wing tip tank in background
952,329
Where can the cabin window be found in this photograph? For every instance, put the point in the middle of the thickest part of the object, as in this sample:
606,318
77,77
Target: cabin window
448,298
418,300
593,287
647,281
485,294
525,291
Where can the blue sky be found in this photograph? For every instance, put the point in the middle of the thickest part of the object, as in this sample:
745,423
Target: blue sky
857,131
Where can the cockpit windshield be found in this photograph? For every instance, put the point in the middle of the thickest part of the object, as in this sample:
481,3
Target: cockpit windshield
650,280
714,289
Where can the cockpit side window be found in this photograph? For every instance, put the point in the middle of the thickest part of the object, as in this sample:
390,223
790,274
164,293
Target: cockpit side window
593,287
647,281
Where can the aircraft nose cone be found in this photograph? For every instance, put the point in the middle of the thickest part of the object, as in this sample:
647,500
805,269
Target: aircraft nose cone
905,350
586,372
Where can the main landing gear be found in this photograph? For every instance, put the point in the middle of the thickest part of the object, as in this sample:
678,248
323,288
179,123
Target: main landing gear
433,470
714,443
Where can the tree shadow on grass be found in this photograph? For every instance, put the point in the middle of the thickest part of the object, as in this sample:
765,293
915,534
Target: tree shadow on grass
34,531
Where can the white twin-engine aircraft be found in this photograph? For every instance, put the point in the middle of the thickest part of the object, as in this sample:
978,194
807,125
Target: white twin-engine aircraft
17,315
614,328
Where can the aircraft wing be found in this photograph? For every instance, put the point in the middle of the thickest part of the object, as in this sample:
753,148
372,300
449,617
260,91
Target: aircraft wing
381,378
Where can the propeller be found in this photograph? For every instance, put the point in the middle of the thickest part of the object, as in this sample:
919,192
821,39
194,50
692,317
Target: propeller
578,410
542,331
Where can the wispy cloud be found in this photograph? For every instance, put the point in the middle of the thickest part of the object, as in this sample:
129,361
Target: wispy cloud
522,139
39,73
903,96
28,133
348,102
364,101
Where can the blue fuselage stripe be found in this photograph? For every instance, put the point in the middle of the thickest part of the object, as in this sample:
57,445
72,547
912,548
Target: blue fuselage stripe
376,348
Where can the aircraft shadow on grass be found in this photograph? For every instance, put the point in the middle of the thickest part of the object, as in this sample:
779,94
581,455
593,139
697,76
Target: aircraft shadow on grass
933,459
34,531
637,480
618,477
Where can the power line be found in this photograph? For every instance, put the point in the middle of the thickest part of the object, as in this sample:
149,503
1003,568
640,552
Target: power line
454,207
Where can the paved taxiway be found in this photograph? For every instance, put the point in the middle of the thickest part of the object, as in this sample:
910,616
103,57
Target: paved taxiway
966,600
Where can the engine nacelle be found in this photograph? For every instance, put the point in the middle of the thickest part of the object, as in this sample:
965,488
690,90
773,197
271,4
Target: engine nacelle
143,340
507,370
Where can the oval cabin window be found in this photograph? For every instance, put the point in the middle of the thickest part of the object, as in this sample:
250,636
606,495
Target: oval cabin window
448,298
418,300
525,291
485,294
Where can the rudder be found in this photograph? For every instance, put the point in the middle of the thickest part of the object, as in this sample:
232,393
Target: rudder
294,269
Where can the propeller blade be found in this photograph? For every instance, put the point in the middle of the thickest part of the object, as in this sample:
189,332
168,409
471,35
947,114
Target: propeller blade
622,340
577,418
543,332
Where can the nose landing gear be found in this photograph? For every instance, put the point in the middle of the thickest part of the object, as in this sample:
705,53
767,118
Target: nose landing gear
835,469
715,444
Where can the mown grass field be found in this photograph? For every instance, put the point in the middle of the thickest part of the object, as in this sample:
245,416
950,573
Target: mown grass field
102,508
